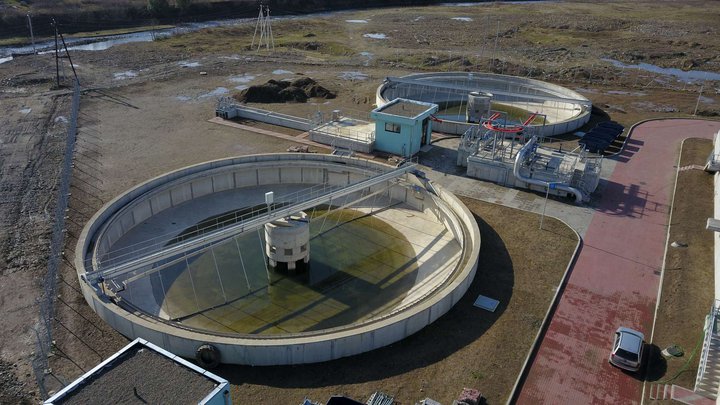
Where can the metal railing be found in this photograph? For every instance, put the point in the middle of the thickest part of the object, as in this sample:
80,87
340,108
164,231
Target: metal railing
354,135
713,161
304,201
118,256
710,322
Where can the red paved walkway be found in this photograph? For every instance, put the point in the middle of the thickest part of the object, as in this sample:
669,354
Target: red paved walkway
616,277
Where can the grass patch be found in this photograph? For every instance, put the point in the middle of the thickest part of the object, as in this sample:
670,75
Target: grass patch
15,41
119,31
544,36
687,287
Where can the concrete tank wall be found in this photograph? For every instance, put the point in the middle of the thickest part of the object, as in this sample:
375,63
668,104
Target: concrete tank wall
270,117
298,348
214,180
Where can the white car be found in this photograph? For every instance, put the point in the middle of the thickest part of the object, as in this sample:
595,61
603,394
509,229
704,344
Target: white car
627,350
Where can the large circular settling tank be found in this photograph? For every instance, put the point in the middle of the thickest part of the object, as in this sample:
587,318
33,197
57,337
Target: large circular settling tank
319,270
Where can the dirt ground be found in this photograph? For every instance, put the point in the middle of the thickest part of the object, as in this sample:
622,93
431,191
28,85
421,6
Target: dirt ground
687,289
115,130
143,111
114,127
32,135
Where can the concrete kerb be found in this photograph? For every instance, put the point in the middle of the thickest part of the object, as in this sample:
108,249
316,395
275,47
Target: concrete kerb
316,348
632,128
548,315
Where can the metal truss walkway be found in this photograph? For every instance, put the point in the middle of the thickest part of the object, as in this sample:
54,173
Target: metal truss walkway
273,212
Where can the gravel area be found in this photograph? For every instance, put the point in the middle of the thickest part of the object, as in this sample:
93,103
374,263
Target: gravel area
142,376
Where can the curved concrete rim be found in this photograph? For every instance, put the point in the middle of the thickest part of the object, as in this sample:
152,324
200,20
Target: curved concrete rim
283,349
459,127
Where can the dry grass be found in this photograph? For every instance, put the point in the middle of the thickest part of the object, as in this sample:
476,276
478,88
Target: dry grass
687,288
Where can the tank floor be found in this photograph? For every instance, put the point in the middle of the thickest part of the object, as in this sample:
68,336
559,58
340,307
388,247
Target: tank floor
361,267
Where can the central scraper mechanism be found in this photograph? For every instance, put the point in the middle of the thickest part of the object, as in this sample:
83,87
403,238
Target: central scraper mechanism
287,240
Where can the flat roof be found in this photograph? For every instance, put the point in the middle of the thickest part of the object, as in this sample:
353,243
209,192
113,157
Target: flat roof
405,108
141,373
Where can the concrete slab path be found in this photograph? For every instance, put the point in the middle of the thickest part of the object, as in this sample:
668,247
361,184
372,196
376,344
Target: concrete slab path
617,274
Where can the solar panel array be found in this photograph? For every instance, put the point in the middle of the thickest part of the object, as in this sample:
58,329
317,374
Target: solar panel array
600,137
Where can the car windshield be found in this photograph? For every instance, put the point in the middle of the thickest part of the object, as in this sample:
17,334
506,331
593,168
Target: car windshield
627,355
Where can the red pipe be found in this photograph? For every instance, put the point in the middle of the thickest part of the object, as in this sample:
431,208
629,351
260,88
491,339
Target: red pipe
489,125
529,120
493,127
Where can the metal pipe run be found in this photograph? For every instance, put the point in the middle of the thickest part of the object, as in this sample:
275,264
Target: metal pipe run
520,157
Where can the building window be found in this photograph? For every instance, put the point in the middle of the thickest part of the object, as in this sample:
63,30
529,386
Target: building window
288,252
303,248
390,127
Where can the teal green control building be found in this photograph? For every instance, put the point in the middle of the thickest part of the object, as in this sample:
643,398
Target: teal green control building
403,126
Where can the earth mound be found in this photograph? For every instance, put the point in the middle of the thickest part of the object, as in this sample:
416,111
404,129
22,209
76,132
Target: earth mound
296,91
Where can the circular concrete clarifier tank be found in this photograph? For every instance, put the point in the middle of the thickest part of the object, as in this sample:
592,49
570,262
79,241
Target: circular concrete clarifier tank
383,262
561,110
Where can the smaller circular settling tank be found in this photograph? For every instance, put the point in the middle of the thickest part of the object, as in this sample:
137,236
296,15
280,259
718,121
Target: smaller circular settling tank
463,99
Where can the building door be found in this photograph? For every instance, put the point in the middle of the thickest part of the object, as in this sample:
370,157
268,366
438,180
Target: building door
424,139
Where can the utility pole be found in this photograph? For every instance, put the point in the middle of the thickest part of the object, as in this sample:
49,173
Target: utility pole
271,43
497,35
32,36
57,60
67,54
257,25
548,187
263,25
697,104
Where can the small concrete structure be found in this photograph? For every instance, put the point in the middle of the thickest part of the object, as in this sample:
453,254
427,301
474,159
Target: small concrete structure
345,133
287,240
227,109
478,106
142,372
403,126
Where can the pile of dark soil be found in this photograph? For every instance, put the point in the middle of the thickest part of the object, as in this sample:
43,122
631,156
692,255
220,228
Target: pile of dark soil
297,91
